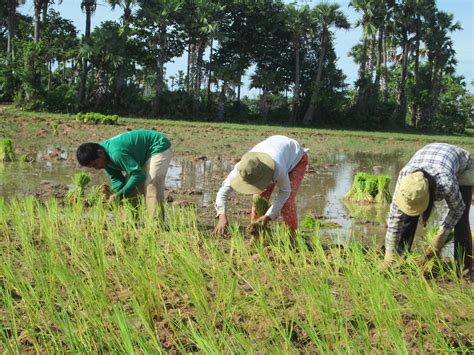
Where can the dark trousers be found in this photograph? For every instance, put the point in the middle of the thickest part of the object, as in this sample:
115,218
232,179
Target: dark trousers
462,232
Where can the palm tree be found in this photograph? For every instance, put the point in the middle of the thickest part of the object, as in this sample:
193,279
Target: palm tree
440,60
369,31
161,13
202,22
11,6
326,16
298,22
127,6
89,7
424,9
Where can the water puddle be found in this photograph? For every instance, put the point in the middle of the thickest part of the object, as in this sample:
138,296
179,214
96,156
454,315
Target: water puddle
197,181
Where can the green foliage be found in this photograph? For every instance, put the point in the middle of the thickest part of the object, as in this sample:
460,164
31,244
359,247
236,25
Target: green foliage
6,150
95,118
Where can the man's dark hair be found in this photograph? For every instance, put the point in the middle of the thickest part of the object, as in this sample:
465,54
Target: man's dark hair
87,152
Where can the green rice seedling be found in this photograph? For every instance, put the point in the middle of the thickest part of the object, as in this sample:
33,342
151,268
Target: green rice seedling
383,192
94,280
80,182
310,222
55,128
6,150
25,158
261,205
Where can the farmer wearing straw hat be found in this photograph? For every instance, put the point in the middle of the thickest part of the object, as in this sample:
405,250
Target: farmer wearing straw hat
278,160
436,172
143,155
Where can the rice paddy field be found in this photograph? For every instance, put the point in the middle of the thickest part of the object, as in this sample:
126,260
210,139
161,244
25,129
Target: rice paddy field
91,278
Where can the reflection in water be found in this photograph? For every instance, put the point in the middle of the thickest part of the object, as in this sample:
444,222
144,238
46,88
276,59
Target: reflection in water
321,192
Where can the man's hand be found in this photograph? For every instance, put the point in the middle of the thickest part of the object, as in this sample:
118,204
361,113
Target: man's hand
436,244
388,262
112,199
221,226
263,221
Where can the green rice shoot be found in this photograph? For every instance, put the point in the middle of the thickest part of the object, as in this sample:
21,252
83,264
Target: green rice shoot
96,280
6,150
261,205
80,182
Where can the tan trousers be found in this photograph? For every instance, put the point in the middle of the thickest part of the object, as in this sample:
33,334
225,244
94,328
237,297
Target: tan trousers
155,170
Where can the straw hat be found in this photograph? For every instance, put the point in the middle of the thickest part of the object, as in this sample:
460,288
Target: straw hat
254,172
413,194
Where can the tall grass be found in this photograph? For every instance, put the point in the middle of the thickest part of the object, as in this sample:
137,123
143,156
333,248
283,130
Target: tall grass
93,280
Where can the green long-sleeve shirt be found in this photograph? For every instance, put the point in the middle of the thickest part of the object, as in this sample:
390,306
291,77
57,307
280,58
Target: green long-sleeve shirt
127,153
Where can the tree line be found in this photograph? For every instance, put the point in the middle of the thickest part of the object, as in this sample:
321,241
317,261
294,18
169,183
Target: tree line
406,60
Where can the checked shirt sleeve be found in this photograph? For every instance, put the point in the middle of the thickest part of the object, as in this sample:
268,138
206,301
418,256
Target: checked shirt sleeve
395,221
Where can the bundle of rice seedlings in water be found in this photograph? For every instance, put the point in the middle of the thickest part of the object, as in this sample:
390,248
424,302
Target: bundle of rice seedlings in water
357,191
310,222
383,193
80,181
261,205
370,189
6,150
359,180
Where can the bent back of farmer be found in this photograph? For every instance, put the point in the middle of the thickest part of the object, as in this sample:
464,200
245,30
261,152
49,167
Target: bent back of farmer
144,157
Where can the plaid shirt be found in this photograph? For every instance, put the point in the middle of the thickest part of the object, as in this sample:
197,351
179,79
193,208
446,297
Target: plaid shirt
444,162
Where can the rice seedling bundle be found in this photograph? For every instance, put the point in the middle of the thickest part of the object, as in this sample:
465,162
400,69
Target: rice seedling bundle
369,188
6,150
383,193
261,205
80,182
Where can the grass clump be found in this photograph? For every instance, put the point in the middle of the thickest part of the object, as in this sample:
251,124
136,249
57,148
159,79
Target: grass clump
95,118
6,150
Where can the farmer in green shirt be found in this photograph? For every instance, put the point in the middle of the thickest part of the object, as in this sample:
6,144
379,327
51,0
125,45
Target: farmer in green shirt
142,155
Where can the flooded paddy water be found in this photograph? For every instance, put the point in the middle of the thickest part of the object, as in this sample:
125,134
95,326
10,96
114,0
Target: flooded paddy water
195,181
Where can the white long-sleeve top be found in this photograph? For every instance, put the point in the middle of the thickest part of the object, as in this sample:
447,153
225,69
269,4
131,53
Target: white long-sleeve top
286,153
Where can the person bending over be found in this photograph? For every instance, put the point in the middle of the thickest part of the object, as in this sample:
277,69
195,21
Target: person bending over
278,160
436,172
136,162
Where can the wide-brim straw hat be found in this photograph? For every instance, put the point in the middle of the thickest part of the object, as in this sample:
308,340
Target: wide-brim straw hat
254,173
413,194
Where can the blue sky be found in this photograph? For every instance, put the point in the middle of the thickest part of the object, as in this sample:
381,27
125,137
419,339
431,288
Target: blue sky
463,11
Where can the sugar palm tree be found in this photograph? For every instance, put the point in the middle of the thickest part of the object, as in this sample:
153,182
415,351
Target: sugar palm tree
11,6
326,16
298,22
161,13
441,59
88,7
